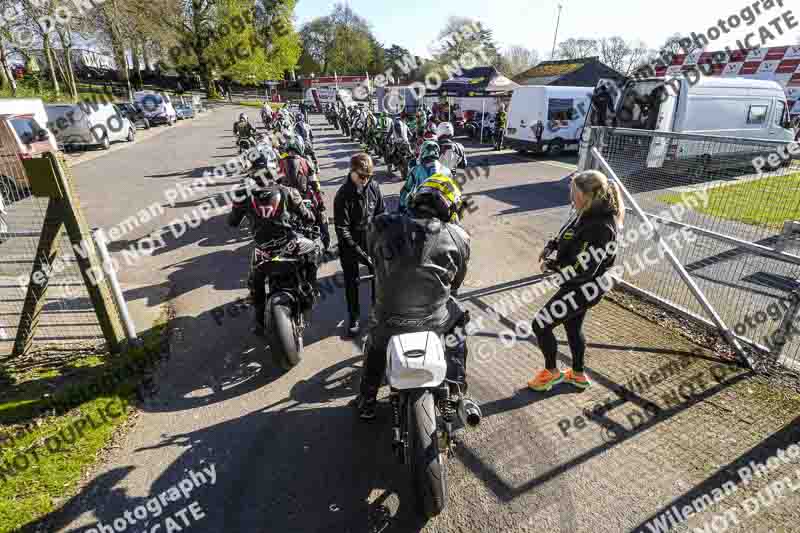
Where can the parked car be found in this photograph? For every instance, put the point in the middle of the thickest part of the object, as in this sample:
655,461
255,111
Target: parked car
89,124
134,114
547,119
184,110
741,108
157,107
23,134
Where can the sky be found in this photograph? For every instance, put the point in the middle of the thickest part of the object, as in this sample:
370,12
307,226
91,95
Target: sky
531,23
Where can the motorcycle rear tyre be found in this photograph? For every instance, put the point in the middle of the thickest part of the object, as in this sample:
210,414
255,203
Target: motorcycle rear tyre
429,472
286,345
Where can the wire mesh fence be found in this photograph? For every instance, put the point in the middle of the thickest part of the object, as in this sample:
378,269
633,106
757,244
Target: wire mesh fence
732,228
67,317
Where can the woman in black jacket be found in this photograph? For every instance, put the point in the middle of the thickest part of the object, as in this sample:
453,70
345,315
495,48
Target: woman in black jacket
585,249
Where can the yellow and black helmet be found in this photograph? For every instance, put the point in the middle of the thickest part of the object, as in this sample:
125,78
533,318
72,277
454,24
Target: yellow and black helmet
438,196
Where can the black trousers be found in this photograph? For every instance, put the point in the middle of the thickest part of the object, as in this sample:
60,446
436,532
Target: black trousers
499,136
351,262
567,307
456,350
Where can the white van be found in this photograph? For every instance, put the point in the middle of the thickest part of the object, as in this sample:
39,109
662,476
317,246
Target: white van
547,119
157,107
23,135
28,119
88,124
740,108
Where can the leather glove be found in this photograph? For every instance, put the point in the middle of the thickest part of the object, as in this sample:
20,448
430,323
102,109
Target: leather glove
549,265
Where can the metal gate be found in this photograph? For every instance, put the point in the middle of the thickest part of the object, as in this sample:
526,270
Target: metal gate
46,299
726,241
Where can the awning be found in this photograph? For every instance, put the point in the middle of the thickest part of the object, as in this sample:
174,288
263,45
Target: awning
478,82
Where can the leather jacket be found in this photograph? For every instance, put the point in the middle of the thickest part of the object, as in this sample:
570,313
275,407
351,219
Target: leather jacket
419,264
594,229
276,224
352,213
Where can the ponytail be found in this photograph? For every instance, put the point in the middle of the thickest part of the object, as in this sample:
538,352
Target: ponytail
616,203
597,189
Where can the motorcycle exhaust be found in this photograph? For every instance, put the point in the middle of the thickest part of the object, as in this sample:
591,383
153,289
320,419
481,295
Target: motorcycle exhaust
469,412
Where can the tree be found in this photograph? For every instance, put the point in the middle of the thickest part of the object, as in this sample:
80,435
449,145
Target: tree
319,39
676,45
519,59
342,42
241,54
476,38
621,55
306,64
576,49
377,63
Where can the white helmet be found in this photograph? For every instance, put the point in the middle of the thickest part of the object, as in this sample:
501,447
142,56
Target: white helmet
445,129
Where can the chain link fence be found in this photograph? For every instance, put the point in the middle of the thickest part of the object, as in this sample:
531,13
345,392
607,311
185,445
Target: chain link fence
67,318
732,228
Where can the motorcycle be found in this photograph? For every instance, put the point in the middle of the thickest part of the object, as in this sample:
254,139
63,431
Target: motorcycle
266,118
423,413
245,144
290,294
399,154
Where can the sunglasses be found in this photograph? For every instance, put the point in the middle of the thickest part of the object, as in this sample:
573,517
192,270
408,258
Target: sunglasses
364,177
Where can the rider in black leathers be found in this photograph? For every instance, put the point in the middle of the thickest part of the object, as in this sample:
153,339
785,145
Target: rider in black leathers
420,261
272,225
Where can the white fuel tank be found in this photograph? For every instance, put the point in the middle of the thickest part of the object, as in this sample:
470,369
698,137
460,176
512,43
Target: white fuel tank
415,361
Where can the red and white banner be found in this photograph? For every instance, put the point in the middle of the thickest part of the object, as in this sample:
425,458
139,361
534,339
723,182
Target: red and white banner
778,63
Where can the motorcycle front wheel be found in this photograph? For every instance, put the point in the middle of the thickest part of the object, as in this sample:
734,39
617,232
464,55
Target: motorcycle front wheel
286,345
429,472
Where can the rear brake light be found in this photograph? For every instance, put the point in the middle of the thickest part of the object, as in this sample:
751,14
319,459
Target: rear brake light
25,155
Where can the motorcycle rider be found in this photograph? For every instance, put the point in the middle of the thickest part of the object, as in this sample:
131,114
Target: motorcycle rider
428,166
303,129
382,131
273,209
500,123
298,173
420,263
266,114
452,153
420,123
397,145
242,127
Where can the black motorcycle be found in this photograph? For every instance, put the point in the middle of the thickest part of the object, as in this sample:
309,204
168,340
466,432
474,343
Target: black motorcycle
246,144
291,295
425,409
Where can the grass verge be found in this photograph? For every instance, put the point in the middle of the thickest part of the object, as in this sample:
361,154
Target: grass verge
259,104
56,417
768,201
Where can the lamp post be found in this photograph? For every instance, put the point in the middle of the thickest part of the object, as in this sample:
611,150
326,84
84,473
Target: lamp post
555,36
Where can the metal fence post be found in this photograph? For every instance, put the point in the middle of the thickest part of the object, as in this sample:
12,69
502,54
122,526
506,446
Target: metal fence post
696,291
116,290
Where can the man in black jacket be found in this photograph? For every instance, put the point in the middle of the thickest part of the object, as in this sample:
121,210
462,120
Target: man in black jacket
420,263
356,203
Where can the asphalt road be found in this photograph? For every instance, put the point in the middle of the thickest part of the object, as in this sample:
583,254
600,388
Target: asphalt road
289,454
